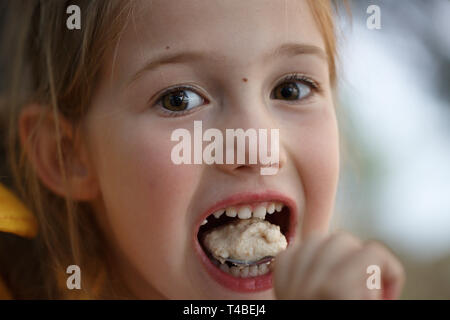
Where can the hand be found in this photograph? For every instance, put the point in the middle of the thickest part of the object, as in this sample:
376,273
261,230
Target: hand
335,267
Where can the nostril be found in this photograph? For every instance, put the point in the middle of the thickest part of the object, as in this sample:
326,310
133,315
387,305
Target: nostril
247,168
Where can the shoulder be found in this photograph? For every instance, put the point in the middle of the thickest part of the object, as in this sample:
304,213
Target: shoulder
15,218
14,215
4,292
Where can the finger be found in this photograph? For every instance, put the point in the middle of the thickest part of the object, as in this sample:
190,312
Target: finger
290,267
350,277
392,271
333,251
282,270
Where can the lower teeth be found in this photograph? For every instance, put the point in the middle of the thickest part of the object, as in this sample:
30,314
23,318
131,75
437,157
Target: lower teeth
246,272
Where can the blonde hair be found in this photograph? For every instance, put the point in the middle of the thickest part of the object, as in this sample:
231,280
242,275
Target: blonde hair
58,68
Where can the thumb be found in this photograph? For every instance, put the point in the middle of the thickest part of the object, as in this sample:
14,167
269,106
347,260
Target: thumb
282,271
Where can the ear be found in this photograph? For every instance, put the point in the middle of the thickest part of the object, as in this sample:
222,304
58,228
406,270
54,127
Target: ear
40,139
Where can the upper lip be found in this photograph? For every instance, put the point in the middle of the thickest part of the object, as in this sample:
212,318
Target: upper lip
253,197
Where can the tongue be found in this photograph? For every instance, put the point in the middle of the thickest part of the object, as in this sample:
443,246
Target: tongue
248,240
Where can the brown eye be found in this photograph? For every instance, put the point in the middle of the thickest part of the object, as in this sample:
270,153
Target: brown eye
291,91
181,100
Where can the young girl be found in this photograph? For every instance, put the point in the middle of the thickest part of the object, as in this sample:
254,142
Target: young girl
90,114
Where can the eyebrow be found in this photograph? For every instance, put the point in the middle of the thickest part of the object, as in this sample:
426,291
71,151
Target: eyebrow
287,49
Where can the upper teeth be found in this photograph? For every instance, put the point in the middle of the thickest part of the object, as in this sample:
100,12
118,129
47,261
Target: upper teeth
217,214
246,211
231,212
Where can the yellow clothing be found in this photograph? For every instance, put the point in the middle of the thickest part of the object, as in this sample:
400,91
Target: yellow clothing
17,219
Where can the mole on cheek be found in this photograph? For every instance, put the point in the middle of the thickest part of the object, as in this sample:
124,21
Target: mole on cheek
167,48
244,79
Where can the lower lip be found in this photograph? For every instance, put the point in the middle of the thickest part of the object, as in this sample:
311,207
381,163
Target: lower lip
253,284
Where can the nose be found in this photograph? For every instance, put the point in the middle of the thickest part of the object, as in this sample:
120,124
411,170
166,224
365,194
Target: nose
252,143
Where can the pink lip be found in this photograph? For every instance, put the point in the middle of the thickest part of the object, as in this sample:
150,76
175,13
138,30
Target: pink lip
253,284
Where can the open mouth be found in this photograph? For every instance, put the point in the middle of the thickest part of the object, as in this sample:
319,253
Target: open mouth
239,240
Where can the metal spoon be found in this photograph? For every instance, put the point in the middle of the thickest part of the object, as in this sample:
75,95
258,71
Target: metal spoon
243,263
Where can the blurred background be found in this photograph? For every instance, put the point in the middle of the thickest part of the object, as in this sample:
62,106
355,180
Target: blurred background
394,113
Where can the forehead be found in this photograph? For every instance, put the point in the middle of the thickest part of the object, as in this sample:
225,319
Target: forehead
237,32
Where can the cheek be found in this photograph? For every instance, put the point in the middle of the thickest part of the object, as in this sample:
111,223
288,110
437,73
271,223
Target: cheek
145,195
316,154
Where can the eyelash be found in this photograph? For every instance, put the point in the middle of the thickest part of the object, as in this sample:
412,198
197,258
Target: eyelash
315,86
293,77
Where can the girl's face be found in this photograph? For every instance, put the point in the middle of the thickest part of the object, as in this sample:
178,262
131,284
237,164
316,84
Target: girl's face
233,55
